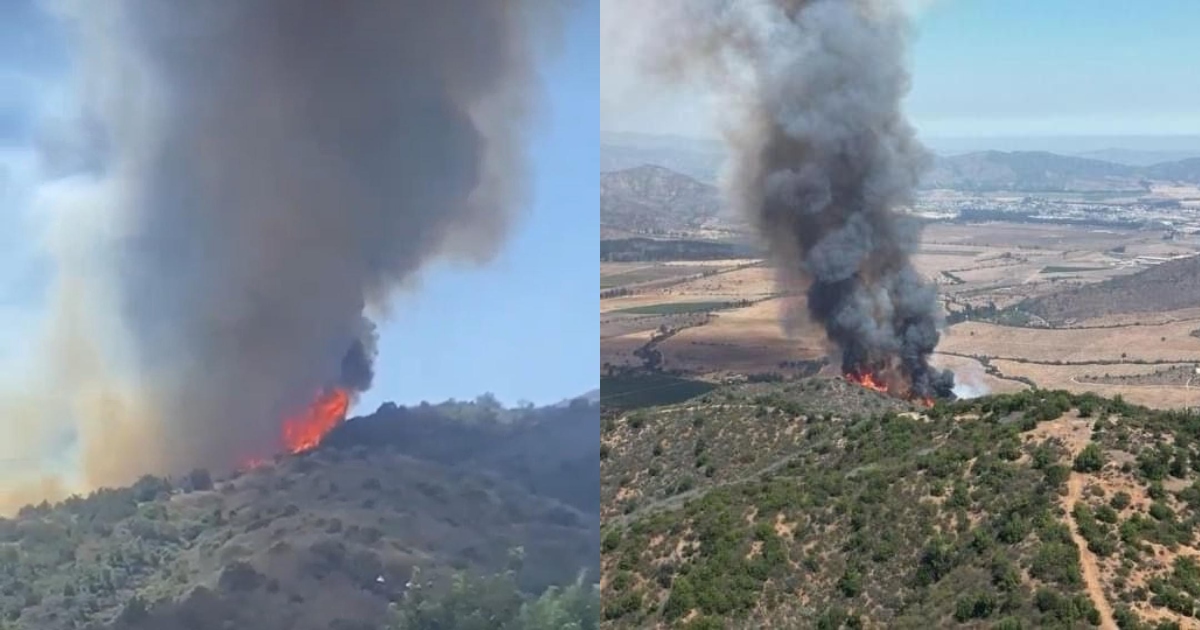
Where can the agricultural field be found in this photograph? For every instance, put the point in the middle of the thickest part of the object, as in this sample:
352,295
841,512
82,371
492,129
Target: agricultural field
1056,306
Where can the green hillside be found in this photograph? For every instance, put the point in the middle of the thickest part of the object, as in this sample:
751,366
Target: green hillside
450,512
820,504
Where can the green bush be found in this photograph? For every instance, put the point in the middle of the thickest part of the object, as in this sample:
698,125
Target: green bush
976,606
1090,459
850,584
1106,514
475,603
1057,562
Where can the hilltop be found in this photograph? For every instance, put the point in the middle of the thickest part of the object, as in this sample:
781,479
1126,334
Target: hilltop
655,200
399,500
699,159
817,504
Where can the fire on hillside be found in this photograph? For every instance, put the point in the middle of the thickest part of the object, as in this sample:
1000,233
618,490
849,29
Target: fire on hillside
890,386
305,430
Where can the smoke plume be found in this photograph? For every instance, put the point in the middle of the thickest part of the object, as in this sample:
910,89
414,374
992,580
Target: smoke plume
821,158
248,180
970,381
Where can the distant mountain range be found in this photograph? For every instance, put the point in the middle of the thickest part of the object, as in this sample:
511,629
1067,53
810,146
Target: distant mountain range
1133,157
1026,171
652,200
1040,171
698,159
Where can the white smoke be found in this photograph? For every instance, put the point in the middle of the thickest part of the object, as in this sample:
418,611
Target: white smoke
970,381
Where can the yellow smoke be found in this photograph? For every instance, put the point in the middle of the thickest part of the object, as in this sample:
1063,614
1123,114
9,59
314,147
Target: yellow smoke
74,384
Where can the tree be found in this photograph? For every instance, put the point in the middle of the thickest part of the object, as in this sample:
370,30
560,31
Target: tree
576,607
149,487
200,480
471,604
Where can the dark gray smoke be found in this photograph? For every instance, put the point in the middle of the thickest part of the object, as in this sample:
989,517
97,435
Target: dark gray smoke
822,159
358,365
266,172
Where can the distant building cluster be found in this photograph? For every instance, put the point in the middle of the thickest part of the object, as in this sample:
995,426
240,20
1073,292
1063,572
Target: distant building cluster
1156,260
1173,217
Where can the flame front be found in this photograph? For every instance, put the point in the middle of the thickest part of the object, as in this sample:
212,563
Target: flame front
868,380
305,430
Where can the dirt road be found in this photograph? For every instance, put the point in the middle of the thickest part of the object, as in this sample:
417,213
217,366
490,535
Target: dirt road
1091,571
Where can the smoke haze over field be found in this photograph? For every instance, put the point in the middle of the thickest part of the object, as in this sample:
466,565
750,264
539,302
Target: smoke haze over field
821,158
245,182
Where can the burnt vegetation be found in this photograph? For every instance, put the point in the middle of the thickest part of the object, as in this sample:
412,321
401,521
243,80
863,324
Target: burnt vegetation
445,511
817,504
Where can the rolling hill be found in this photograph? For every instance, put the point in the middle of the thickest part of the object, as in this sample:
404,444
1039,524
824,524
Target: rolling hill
654,200
337,537
817,504
1187,170
1031,171
1168,286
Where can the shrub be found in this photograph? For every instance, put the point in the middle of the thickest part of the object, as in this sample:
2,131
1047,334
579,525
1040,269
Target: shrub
1090,459
611,540
1056,562
850,584
977,606
1106,514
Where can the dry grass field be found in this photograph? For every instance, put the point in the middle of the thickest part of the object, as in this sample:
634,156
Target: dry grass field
745,340
1164,343
972,376
724,317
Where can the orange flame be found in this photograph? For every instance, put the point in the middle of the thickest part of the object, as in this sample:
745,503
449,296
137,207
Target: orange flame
868,380
305,430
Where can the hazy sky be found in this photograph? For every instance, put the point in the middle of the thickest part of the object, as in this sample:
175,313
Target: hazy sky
523,328
1004,68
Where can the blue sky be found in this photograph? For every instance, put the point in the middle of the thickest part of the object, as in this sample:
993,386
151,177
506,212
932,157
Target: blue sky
523,327
526,326
986,68
1012,67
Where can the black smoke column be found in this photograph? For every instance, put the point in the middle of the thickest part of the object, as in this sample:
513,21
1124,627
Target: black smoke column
823,160
262,174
